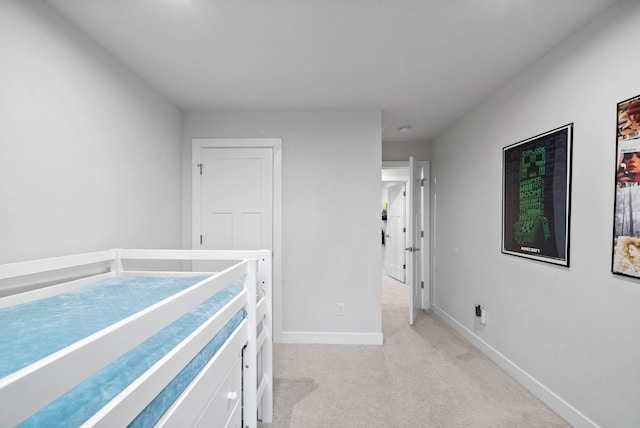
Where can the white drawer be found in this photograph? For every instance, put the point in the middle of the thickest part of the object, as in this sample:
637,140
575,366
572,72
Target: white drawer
225,404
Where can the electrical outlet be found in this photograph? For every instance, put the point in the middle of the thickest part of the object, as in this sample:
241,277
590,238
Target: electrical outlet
481,313
340,309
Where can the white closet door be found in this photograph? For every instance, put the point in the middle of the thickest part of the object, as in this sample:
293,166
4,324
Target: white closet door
235,199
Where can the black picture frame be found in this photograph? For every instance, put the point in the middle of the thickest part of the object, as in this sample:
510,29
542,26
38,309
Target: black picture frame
625,258
536,196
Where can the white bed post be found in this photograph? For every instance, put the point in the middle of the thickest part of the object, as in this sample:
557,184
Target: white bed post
116,262
266,281
250,359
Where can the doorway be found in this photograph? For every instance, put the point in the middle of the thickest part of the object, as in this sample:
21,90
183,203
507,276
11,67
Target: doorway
393,229
416,211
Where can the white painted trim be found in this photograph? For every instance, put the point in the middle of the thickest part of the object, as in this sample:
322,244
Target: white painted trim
327,338
237,142
276,144
426,228
395,164
551,399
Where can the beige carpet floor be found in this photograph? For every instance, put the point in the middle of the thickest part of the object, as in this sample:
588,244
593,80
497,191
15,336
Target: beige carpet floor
424,375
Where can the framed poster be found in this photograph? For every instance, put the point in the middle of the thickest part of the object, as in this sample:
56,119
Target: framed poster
626,224
536,197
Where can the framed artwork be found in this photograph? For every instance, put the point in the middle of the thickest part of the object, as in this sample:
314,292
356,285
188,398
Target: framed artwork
626,223
536,197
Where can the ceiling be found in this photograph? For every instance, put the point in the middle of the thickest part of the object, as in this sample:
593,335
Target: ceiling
423,63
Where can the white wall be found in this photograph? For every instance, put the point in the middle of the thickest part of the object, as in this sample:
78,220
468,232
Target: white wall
569,334
89,155
331,162
401,151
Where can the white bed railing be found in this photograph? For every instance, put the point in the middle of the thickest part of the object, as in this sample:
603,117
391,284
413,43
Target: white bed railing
20,395
13,270
261,314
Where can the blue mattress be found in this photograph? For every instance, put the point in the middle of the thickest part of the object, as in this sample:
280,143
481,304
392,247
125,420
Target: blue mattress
33,330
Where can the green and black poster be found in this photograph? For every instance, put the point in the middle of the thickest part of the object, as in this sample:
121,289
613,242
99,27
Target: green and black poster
536,197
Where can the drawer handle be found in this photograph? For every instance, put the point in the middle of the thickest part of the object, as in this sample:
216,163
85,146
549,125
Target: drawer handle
233,395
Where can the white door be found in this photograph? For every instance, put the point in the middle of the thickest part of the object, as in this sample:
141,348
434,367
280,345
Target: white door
414,239
233,196
394,233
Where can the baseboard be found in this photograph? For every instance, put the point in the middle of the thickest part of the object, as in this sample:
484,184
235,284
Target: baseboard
557,404
326,338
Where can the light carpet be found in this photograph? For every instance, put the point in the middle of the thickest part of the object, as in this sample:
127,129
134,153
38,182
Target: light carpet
425,375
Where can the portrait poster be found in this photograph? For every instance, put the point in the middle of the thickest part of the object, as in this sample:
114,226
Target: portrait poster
537,196
626,225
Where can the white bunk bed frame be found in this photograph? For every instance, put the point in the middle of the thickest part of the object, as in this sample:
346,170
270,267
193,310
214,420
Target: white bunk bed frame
26,391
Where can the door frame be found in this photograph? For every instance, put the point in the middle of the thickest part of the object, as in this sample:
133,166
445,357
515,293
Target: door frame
426,223
239,143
